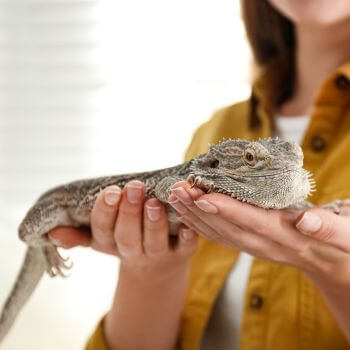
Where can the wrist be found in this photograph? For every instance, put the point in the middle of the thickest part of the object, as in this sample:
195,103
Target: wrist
153,274
149,300
330,282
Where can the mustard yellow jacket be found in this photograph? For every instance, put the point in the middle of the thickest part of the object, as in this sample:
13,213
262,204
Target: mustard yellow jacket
282,309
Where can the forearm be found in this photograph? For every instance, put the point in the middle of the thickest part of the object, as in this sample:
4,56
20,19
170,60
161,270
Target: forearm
337,298
146,310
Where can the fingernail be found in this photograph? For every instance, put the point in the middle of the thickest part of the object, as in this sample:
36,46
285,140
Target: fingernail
207,207
153,213
112,196
309,223
182,195
187,234
178,206
134,192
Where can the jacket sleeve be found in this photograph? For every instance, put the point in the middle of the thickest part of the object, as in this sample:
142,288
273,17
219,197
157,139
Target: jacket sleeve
97,340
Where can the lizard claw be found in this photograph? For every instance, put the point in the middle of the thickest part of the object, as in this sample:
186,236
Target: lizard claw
191,179
203,184
55,263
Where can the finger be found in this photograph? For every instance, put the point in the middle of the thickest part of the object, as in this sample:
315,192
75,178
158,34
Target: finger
182,200
210,208
128,228
345,211
203,229
187,193
187,243
69,237
156,228
326,227
103,217
256,245
192,216
177,205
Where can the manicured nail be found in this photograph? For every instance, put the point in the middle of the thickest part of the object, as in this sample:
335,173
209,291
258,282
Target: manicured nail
309,223
182,195
207,207
187,234
178,206
112,196
153,213
134,192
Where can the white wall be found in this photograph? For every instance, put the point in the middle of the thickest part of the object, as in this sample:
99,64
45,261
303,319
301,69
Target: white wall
91,88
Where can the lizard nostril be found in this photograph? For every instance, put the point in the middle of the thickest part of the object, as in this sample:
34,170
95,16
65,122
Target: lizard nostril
214,164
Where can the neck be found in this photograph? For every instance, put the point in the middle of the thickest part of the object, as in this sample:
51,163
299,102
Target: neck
320,50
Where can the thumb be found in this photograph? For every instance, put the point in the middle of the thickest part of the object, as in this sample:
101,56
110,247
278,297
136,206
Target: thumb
326,226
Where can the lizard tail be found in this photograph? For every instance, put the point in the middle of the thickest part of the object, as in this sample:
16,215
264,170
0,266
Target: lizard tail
29,276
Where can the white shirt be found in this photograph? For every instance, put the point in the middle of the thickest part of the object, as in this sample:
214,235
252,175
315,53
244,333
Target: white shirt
222,332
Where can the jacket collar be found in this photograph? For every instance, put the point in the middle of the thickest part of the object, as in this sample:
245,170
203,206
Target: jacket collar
335,91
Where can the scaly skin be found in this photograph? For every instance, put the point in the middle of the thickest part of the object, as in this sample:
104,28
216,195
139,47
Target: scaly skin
267,173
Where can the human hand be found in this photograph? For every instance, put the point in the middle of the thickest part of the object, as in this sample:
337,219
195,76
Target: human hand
317,241
124,224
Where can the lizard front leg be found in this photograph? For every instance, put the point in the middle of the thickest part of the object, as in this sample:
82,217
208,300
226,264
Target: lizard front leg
203,184
163,188
163,191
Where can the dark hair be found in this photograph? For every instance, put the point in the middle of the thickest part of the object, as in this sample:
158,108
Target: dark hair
272,39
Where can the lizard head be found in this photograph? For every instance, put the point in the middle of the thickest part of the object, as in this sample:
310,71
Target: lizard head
267,172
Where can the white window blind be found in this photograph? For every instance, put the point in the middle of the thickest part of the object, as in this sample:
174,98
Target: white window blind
50,80
49,77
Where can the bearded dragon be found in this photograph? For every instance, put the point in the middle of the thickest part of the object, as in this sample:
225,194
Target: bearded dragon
267,173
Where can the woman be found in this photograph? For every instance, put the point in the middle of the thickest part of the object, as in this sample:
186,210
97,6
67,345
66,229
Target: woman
296,296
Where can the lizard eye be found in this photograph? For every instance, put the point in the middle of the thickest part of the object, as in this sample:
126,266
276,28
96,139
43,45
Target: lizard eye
214,164
249,157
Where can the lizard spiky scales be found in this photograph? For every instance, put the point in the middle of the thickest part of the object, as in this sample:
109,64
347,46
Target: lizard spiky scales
267,173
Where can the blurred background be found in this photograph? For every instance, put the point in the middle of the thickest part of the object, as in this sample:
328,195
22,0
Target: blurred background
90,88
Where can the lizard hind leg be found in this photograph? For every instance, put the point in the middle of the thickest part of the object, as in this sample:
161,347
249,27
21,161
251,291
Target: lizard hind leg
55,264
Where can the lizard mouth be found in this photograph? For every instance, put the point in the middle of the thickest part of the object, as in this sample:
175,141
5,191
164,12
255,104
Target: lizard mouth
267,174
275,193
